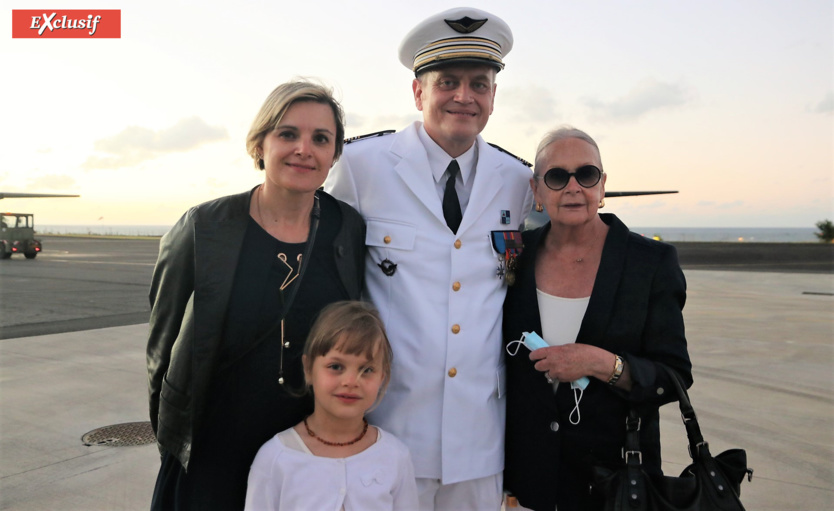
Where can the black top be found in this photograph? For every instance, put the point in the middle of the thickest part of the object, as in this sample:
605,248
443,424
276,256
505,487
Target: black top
247,406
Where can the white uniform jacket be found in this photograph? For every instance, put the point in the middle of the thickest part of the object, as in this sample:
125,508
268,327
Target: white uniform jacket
442,305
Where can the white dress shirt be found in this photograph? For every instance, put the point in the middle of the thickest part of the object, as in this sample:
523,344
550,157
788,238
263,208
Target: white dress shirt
438,162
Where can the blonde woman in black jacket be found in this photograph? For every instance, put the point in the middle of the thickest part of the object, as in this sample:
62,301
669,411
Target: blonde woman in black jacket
237,285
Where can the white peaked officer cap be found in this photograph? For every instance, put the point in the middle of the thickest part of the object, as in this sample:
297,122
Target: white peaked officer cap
459,35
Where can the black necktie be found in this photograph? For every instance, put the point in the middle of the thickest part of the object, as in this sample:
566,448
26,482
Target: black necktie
451,204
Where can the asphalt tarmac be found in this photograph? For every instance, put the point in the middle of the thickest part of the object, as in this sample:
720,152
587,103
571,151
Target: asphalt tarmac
87,283
76,284
74,324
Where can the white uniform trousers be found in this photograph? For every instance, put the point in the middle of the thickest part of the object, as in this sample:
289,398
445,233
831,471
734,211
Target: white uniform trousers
484,494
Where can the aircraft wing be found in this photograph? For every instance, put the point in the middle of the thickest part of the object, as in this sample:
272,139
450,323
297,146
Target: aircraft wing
631,194
10,195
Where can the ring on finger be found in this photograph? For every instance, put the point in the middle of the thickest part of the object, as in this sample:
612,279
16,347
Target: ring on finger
547,377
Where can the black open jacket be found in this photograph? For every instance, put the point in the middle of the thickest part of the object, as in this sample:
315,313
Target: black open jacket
635,311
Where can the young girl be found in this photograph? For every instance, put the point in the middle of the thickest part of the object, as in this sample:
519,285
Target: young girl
333,460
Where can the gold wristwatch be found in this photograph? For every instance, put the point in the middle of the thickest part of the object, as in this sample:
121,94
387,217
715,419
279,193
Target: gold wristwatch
618,370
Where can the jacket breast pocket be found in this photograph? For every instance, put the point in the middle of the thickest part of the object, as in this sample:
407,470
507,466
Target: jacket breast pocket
389,245
385,236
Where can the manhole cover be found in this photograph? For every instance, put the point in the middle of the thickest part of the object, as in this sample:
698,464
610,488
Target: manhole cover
121,435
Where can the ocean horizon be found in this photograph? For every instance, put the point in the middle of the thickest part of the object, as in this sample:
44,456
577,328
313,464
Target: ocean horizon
671,234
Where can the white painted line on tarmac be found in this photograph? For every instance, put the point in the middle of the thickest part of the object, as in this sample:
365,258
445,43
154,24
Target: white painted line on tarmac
75,261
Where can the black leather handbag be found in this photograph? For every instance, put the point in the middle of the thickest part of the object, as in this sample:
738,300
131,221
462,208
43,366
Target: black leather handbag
709,483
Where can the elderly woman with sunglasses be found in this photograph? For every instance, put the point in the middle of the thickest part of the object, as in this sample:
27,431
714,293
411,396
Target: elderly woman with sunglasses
608,303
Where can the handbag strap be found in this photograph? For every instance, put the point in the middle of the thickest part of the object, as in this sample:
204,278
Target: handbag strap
697,445
633,457
633,462
704,467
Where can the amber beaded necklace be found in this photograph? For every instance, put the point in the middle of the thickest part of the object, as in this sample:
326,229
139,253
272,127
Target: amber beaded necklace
337,444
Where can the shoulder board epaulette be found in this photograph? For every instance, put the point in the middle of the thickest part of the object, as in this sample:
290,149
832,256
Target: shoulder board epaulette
369,135
522,160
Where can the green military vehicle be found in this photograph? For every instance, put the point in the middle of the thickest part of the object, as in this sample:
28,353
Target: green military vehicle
17,235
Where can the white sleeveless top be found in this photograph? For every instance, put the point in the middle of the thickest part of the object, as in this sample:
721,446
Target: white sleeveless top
561,317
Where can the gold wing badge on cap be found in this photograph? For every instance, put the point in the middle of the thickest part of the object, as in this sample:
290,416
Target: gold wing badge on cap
465,25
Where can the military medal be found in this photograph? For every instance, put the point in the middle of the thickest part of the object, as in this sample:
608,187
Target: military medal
508,245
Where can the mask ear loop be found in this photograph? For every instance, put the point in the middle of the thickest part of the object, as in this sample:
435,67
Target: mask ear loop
512,352
575,411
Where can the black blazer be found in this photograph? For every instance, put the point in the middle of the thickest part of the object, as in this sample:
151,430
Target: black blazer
635,311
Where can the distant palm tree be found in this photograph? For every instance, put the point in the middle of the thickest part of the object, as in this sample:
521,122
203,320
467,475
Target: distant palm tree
826,234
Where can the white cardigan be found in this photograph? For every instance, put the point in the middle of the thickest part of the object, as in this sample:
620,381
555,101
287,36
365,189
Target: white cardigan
379,478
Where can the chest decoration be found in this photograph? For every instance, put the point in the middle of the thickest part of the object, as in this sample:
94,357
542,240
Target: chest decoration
388,267
508,246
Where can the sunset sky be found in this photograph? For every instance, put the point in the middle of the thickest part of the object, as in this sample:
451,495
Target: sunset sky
731,102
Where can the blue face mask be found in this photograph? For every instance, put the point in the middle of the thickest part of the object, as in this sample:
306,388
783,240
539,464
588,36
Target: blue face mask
533,341
580,384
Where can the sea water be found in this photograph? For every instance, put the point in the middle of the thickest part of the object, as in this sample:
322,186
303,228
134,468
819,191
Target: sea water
731,234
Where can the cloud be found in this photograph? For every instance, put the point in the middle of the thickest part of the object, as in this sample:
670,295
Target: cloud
51,182
826,106
532,103
359,124
635,204
353,119
648,95
731,205
136,144
654,205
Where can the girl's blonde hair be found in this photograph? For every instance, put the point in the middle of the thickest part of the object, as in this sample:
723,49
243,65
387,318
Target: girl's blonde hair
352,327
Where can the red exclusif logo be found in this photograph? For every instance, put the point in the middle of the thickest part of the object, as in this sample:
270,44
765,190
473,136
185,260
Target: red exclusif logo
67,24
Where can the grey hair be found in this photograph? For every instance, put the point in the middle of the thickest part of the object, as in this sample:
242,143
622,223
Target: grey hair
560,133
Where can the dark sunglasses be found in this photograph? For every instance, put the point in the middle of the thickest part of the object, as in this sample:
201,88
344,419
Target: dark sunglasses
587,177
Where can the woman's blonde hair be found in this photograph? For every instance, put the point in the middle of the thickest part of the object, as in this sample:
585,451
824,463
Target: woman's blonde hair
352,327
276,105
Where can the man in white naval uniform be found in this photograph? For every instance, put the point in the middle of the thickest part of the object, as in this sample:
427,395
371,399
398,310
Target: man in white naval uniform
440,286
